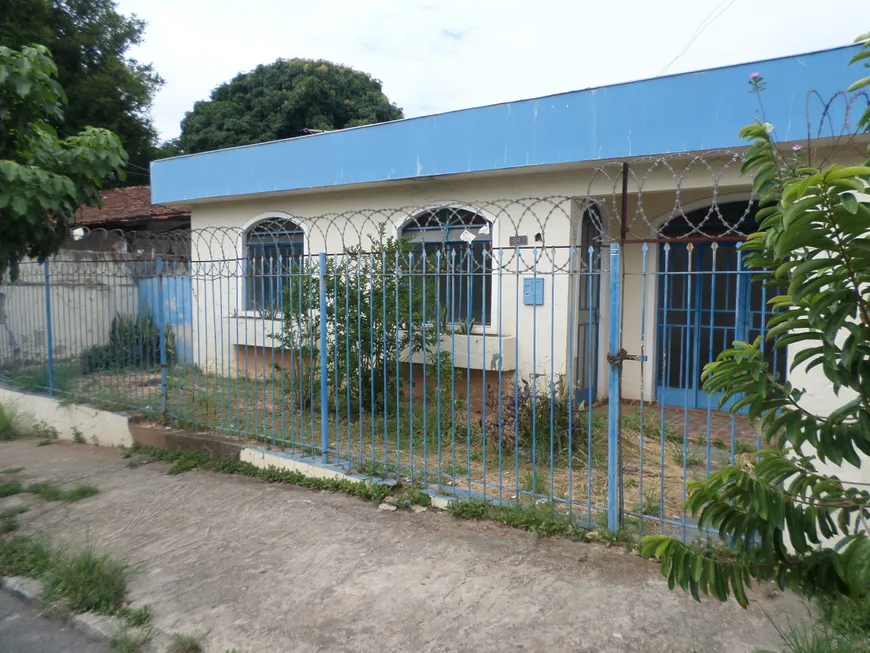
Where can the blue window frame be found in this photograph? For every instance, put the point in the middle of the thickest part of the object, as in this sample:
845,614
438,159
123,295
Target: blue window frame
272,248
707,300
466,267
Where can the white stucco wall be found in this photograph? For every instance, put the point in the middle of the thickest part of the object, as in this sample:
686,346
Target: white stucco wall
342,217
347,216
87,290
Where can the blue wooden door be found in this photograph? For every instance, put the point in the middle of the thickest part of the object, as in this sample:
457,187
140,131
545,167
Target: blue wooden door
707,300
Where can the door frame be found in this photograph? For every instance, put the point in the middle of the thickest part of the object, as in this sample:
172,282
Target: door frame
583,239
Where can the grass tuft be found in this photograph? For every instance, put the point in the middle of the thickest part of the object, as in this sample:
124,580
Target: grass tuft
185,644
13,423
136,617
541,521
11,470
8,521
36,378
8,488
27,556
127,641
50,492
86,582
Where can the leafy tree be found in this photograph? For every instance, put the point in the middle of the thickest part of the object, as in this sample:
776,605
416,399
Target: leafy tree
785,518
282,100
89,41
43,178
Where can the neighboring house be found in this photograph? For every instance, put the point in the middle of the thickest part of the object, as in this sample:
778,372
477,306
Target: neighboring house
531,193
128,221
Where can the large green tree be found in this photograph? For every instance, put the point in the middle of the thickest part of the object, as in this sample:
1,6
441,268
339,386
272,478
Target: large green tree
282,100
89,41
43,178
787,517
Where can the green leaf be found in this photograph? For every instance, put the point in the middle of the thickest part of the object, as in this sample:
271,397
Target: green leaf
850,202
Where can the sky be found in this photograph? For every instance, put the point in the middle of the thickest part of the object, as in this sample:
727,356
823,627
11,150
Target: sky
440,55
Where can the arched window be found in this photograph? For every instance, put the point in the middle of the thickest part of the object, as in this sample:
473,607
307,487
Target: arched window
272,248
464,238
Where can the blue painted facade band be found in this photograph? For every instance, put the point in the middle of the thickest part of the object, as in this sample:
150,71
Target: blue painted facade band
688,112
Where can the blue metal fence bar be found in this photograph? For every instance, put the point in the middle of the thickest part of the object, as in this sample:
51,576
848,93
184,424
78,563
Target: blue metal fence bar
613,509
49,335
591,293
438,271
500,376
486,320
574,286
665,362
161,324
324,372
644,293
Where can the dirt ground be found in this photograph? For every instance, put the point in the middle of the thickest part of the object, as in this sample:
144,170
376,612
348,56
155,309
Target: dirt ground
268,568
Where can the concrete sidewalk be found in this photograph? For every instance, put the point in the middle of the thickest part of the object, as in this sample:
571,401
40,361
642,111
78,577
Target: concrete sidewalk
268,568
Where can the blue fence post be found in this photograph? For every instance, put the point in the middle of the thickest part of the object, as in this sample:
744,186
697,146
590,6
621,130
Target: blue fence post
324,373
49,334
613,462
161,324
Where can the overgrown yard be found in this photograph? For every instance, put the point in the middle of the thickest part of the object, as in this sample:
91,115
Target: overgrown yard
437,442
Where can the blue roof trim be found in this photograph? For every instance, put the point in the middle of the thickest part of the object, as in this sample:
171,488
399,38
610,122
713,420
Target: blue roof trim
686,112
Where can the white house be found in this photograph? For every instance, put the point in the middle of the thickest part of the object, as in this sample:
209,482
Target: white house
539,188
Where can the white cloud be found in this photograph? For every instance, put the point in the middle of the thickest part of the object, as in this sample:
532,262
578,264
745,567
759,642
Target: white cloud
439,55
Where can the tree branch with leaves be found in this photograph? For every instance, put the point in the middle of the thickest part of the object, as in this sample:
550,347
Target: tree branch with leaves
785,518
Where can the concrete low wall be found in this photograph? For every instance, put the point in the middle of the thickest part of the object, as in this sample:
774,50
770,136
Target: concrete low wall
109,428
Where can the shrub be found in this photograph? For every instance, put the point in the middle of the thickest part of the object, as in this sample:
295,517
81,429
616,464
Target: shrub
134,341
526,412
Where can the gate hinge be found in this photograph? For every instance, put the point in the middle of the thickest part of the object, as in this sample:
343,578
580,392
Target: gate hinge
622,355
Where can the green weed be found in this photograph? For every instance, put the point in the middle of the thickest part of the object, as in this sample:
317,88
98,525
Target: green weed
651,504
78,436
27,556
413,496
847,616
136,617
185,644
534,483
690,460
50,492
719,443
743,447
86,582
8,488
11,470
127,641
8,521
13,424
818,638
65,378
541,521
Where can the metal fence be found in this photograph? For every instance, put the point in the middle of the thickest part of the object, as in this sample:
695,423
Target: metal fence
530,351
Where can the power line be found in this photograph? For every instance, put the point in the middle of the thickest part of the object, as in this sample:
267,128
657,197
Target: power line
709,20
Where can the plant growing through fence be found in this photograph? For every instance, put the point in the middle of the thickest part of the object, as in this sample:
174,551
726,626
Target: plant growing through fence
382,306
134,341
788,518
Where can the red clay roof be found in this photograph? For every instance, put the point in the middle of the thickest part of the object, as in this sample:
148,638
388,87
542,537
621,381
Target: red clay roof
131,204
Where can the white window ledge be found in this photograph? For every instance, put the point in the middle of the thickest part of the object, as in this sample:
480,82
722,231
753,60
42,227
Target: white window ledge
475,351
